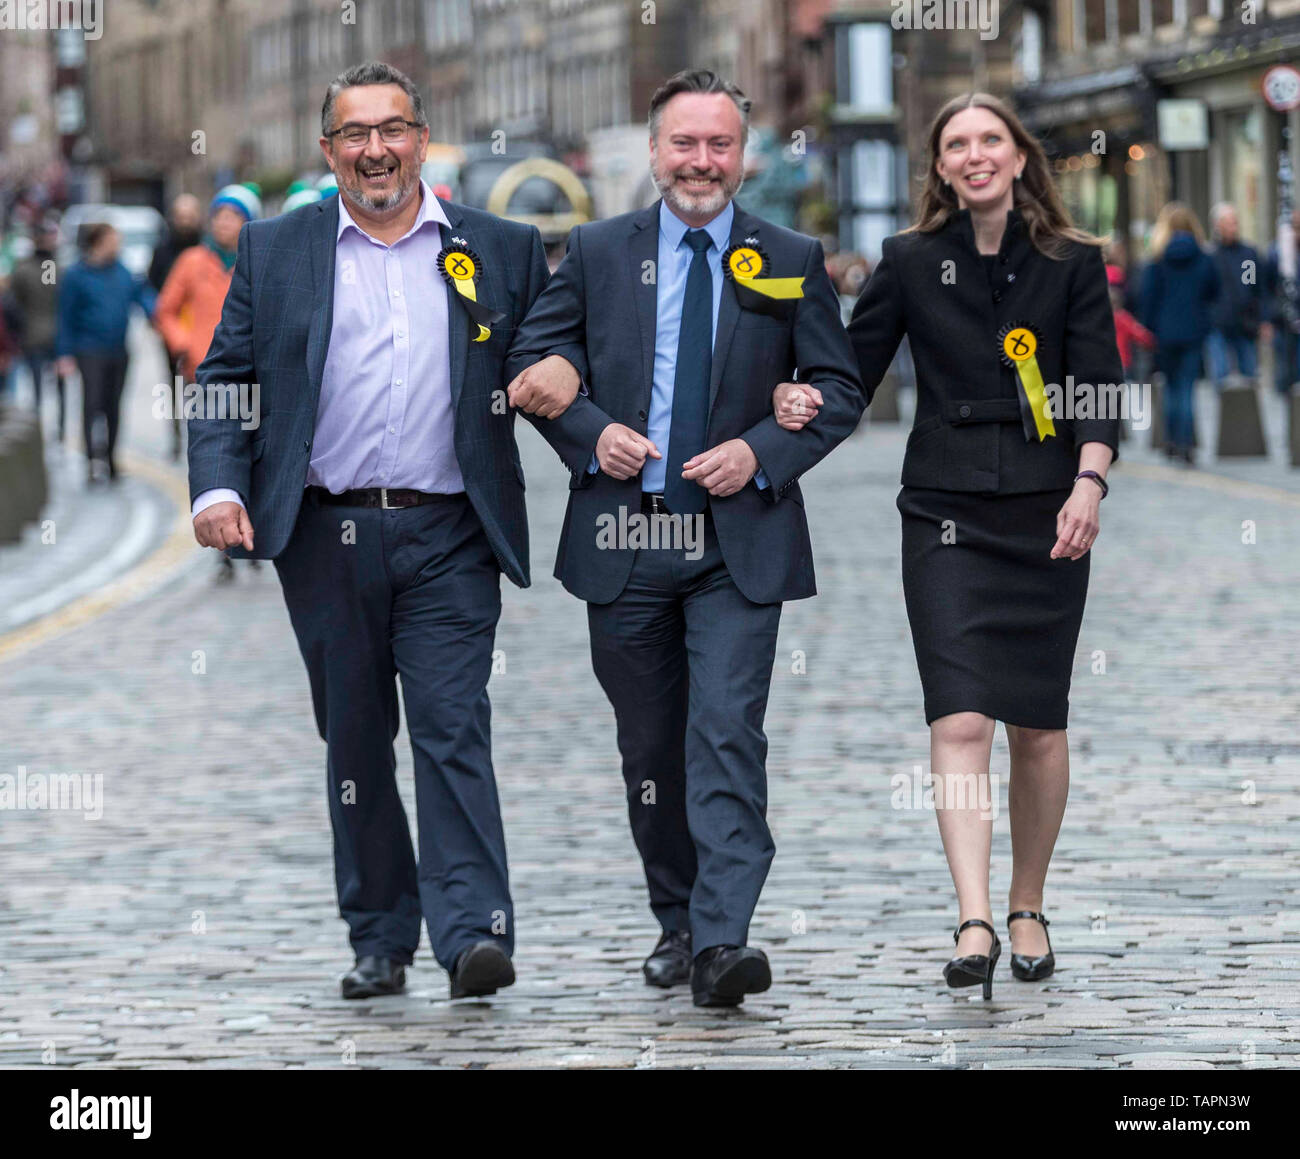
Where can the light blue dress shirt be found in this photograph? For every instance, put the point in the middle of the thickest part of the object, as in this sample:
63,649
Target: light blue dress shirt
670,291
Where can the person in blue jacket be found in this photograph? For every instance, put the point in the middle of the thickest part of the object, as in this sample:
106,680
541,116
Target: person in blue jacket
95,300
1179,288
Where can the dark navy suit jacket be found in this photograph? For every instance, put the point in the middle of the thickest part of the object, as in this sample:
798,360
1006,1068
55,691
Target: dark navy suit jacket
275,331
600,302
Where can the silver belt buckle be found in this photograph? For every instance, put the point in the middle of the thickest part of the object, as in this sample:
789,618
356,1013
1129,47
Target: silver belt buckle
383,499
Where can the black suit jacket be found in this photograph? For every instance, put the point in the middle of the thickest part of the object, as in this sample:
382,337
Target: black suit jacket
967,435
599,300
275,331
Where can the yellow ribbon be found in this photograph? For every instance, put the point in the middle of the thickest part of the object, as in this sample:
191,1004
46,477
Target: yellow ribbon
1020,346
745,262
774,287
465,287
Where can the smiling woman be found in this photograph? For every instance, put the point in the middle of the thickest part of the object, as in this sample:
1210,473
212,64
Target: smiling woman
995,289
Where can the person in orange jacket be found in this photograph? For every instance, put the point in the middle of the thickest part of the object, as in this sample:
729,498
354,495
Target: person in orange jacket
189,306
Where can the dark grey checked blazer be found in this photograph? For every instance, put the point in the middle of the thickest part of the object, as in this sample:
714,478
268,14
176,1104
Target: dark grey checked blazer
275,331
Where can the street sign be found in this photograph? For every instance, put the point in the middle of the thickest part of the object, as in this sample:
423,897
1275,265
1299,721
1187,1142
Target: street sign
1282,88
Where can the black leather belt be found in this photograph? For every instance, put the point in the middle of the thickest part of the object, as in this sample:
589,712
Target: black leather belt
388,498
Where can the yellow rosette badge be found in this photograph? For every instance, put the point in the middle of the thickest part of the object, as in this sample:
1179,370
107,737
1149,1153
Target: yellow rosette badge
460,266
743,265
1018,346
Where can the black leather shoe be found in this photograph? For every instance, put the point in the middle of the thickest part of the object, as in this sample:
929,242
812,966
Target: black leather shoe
483,968
1025,967
372,977
670,963
723,975
974,969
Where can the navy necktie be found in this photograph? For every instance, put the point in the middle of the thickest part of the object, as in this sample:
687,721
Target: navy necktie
690,419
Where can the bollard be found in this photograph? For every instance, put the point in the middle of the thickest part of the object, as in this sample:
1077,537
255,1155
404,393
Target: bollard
1241,429
11,519
26,488
1293,412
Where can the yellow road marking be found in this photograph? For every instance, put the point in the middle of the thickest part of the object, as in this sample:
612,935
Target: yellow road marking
1158,472
167,557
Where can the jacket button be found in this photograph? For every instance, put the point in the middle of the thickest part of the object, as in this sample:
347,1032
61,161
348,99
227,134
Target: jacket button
997,295
1004,259
964,411
1011,277
641,415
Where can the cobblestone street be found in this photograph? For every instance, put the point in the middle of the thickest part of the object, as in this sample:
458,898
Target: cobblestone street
195,922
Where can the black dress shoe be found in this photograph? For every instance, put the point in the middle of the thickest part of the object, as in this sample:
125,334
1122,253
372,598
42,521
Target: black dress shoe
1024,966
372,977
670,963
483,968
974,969
723,975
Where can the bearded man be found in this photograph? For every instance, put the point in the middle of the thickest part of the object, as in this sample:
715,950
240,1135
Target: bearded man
382,478
689,314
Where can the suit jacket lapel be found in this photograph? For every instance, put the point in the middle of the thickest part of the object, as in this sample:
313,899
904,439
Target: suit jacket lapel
324,245
644,247
742,226
457,319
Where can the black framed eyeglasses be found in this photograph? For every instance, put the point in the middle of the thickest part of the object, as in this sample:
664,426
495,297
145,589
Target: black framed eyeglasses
390,132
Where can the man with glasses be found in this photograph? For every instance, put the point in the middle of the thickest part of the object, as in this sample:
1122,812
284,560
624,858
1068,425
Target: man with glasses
384,481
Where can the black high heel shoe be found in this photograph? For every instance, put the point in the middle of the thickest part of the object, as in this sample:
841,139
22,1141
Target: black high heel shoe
1024,967
974,969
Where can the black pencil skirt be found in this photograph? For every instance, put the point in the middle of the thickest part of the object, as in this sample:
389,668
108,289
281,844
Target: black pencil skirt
994,620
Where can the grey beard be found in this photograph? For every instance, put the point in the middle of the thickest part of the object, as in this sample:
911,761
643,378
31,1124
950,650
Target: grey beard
378,204
665,186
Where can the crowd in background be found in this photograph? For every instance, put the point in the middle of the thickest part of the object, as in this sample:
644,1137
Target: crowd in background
1191,309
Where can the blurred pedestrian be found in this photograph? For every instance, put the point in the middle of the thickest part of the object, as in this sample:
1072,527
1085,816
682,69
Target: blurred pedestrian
189,304
8,350
11,325
184,229
1282,305
94,310
1179,288
36,292
1129,332
1236,314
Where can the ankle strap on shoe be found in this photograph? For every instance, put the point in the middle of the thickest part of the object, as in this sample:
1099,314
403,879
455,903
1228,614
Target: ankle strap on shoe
974,922
1027,913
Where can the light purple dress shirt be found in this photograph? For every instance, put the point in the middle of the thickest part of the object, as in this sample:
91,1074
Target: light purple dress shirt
384,417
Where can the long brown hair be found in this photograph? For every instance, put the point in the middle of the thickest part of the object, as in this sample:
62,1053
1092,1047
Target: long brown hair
1035,194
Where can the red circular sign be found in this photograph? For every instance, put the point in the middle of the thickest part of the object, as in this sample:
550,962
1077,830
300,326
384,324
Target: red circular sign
1282,88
